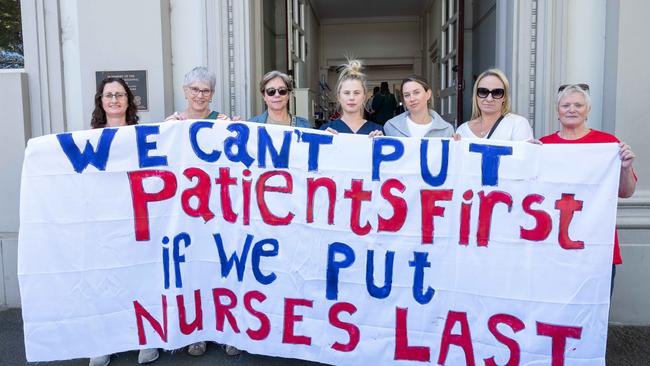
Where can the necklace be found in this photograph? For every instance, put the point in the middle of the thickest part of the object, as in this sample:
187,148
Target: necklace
482,132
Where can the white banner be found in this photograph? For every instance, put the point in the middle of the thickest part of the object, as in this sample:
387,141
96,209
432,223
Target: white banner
339,249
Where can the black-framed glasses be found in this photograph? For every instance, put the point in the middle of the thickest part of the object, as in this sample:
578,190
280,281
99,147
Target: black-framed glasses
497,93
195,91
584,87
271,91
110,96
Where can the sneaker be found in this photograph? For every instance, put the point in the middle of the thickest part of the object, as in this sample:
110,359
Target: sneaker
196,349
100,361
232,350
148,355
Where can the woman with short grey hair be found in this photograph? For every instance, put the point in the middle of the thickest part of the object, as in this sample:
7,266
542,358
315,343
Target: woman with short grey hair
276,90
573,107
198,87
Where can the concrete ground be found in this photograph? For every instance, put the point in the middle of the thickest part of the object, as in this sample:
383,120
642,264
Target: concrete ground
626,346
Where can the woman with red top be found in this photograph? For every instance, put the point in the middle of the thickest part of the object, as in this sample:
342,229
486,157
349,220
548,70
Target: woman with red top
573,106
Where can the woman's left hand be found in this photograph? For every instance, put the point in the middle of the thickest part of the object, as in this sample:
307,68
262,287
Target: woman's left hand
627,155
375,133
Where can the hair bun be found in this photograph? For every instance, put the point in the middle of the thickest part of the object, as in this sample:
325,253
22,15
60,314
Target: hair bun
355,67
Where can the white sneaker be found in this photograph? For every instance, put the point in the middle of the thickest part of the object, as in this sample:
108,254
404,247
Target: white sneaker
100,361
232,350
196,349
147,355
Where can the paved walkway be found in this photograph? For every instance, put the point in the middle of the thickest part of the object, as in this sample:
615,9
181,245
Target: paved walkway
626,346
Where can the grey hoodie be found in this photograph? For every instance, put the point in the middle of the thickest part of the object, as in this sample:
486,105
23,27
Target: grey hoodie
397,126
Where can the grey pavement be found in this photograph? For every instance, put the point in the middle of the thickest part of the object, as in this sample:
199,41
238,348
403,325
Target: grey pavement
626,346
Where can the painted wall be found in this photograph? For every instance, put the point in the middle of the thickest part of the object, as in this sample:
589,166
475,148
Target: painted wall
631,300
93,40
14,104
377,42
585,50
15,124
188,40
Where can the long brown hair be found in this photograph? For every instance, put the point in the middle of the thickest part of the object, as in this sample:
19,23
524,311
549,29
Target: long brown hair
99,114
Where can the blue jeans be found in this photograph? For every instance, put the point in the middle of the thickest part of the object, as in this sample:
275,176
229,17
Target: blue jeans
611,287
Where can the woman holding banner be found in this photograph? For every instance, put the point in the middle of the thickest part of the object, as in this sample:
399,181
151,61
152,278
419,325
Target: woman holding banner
418,120
198,87
350,95
115,107
276,88
573,106
491,111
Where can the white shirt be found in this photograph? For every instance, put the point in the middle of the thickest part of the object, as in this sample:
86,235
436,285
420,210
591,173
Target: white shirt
512,127
416,129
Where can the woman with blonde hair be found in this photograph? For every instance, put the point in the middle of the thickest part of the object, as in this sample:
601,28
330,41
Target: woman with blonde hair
350,96
492,115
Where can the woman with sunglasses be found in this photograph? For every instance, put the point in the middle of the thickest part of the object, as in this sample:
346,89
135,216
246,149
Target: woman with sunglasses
276,89
418,120
198,87
350,96
115,107
491,111
573,106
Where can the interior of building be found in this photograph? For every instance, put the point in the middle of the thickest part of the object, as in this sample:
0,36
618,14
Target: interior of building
417,37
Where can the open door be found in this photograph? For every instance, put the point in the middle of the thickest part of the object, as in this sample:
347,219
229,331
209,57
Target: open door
451,61
296,43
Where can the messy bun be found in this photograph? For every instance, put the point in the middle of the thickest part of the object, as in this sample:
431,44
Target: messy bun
351,71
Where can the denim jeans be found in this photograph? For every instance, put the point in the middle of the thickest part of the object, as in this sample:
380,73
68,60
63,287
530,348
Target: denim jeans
611,288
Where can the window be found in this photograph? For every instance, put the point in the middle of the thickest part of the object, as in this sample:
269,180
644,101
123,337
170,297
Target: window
11,35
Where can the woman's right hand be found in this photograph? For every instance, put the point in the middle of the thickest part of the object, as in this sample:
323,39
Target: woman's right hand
332,131
176,117
455,136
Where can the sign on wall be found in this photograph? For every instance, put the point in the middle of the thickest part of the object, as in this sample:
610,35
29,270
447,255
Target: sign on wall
135,79
341,249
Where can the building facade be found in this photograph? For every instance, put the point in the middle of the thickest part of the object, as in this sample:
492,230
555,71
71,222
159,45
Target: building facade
540,44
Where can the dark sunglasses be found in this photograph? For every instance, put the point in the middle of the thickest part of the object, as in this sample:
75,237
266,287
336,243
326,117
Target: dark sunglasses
497,93
271,91
584,87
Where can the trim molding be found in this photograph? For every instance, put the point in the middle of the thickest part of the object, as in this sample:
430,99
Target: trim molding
634,212
44,65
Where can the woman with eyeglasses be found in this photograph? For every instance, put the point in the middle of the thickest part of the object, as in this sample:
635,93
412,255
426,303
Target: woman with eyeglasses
276,89
573,107
418,120
115,107
198,86
491,111
350,96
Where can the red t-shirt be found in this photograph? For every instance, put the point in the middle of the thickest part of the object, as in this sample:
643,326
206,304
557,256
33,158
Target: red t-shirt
592,137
